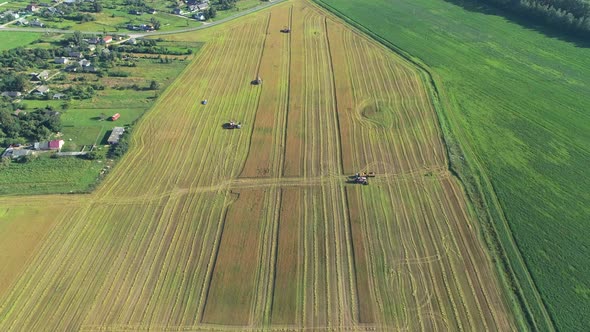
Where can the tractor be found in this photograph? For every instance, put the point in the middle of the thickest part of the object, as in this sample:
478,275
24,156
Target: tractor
232,125
286,29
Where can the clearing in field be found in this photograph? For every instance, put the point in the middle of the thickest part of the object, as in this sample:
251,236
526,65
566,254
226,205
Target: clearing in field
201,227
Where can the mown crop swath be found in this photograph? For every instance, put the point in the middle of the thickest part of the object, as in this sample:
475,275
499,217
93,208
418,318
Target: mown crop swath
205,228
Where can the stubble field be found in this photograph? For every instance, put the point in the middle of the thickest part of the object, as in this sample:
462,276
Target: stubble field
201,228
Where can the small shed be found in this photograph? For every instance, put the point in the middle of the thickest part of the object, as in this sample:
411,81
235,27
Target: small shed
56,144
41,146
115,117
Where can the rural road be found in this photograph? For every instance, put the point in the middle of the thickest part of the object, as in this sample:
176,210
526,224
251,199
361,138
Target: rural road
158,33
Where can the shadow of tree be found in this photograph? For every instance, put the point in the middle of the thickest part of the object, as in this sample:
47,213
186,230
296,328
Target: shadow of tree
535,24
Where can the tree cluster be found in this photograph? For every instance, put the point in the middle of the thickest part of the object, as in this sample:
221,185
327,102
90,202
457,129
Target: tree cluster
227,4
22,58
12,82
568,15
26,127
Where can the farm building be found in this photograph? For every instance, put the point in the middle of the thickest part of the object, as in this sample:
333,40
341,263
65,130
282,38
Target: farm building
107,39
115,117
115,135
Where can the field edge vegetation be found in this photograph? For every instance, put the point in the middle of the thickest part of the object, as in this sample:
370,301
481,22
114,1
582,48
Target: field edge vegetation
510,266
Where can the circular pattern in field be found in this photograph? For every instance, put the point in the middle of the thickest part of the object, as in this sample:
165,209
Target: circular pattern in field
377,113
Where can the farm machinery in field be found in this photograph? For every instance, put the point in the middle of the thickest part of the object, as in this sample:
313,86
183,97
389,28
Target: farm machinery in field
256,81
232,125
361,178
286,29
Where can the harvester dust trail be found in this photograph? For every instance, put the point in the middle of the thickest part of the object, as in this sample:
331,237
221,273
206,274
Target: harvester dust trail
257,228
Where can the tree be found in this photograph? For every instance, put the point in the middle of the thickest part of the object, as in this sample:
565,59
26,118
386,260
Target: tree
77,38
154,85
97,7
91,155
155,23
5,162
14,83
211,13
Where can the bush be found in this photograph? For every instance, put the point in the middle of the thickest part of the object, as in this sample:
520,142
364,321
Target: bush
92,155
118,73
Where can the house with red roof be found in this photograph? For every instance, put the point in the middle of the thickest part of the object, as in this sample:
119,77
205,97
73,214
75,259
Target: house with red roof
107,39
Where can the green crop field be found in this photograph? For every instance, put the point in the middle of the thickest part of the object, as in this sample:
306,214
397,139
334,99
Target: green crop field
12,40
517,100
47,175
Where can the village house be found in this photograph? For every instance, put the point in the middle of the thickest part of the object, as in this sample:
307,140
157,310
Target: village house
41,90
107,39
199,16
75,54
93,40
37,23
32,8
22,22
84,63
89,69
41,76
11,13
61,60
58,96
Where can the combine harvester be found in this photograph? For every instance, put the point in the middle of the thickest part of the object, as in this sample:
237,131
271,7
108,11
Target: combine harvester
359,178
286,29
257,81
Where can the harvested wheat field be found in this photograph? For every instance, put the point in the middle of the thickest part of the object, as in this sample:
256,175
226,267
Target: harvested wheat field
205,228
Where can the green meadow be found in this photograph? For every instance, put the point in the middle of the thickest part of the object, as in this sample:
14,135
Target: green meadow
517,102
14,39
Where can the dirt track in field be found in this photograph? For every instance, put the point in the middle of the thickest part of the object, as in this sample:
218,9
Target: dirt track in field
202,228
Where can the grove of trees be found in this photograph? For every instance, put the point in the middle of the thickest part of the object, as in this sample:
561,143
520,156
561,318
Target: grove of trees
27,127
